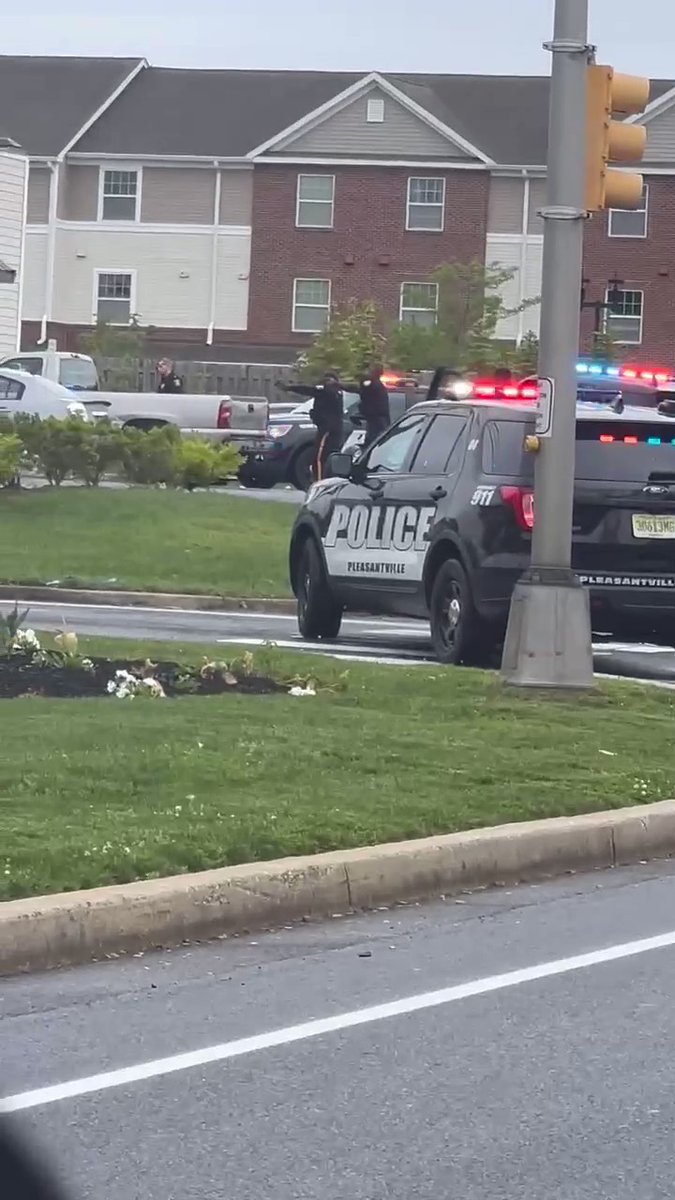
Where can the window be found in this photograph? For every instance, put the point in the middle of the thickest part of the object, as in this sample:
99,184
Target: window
392,450
114,294
631,223
32,365
11,389
314,205
375,110
437,445
426,204
119,196
624,321
311,305
419,304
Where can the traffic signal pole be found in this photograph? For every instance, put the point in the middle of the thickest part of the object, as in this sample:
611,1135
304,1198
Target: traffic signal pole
548,642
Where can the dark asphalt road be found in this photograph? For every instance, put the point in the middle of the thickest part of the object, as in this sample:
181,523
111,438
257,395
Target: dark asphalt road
368,639
549,1087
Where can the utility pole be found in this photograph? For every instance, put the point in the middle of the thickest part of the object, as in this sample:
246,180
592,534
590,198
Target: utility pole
548,641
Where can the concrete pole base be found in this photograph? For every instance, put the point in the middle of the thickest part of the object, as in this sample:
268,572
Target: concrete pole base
548,639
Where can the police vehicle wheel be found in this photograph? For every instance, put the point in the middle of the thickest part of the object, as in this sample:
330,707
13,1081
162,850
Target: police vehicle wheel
455,625
301,469
319,616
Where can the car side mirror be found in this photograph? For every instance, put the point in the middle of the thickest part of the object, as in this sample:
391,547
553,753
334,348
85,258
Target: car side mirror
340,465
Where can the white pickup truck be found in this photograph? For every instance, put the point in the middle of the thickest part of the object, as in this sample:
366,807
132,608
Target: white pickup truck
239,419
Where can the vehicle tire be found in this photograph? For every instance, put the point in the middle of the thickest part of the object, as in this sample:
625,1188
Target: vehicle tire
319,614
251,481
458,634
300,472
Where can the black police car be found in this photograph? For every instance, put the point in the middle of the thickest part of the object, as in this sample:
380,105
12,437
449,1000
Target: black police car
288,453
435,521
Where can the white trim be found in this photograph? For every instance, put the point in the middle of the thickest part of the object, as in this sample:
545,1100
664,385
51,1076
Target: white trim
321,307
375,110
644,211
419,204
213,299
608,316
313,118
140,227
299,200
292,160
203,160
130,169
55,172
416,283
140,66
133,273
522,269
19,298
516,238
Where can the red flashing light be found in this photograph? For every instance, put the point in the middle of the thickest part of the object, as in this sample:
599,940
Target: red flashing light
606,437
529,392
629,373
224,416
484,390
631,441
522,502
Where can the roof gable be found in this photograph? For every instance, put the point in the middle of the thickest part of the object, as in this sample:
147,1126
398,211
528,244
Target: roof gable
46,101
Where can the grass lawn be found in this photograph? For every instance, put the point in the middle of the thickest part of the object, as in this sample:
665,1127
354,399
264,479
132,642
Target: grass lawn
102,791
146,540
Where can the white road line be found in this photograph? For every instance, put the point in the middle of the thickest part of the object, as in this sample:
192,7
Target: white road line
317,1028
331,649
139,609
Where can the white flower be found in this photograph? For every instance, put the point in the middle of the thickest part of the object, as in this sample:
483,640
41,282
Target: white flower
87,664
25,641
302,691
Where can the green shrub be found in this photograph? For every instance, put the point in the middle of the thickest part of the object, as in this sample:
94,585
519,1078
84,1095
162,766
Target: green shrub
98,452
11,450
151,457
201,464
56,448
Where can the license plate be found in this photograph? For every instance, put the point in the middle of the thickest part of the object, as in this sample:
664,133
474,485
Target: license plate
645,526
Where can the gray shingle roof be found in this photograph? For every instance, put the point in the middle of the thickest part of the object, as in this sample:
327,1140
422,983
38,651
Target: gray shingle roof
45,101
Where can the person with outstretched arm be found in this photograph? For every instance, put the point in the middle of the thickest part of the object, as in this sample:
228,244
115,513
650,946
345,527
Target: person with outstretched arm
327,414
374,404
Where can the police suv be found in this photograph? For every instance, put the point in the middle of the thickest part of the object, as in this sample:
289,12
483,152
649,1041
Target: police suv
435,521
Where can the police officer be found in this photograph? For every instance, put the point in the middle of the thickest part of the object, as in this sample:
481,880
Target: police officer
168,380
374,404
327,414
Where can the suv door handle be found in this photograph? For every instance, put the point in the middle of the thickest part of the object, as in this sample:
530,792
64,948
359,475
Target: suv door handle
438,493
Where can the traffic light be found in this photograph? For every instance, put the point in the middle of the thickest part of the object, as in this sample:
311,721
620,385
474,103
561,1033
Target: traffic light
607,141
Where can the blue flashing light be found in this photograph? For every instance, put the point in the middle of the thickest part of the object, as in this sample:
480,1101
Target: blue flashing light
614,371
595,370
582,368
654,441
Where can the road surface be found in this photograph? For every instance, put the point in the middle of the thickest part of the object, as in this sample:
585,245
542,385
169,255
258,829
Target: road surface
369,639
462,1049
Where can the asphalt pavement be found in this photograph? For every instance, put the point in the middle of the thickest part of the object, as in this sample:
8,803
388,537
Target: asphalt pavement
368,639
494,1046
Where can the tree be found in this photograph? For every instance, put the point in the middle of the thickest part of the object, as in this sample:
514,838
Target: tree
350,343
604,348
524,359
469,308
117,351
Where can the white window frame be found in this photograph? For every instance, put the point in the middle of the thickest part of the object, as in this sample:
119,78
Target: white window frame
323,308
424,229
414,283
608,317
132,299
298,200
375,110
631,236
101,185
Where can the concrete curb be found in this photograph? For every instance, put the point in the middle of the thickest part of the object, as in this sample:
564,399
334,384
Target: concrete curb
51,931
59,595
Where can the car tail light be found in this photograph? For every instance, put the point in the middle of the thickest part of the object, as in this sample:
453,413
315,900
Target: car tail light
224,416
521,500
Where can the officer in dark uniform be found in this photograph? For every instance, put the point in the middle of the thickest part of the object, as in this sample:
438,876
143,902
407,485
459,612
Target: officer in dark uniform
374,404
168,380
327,413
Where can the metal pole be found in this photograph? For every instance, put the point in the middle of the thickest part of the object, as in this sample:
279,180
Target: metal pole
548,641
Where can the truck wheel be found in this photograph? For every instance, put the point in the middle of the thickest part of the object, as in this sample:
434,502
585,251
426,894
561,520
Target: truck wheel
301,469
457,633
319,615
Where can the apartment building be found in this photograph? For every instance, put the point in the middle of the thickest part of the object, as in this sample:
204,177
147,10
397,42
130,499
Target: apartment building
228,210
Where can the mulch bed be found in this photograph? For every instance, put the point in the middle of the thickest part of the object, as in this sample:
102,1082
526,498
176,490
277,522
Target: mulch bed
20,676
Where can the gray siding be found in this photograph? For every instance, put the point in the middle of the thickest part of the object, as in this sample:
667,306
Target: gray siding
537,200
348,132
236,197
505,207
78,194
661,138
38,196
177,195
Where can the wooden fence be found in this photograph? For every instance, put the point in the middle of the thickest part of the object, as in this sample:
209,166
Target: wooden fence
221,378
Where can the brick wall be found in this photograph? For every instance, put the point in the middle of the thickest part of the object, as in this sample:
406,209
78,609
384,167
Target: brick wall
369,225
644,263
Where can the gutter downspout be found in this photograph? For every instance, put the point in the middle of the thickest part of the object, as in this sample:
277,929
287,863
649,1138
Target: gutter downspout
523,257
22,266
55,168
214,253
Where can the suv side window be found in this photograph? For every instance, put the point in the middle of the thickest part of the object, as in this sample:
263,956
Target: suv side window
436,448
504,452
11,389
32,365
391,452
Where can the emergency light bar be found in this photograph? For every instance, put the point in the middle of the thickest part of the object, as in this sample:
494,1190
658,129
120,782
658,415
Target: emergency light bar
508,391
655,376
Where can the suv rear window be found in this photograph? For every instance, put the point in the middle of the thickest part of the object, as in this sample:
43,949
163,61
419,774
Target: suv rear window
627,451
